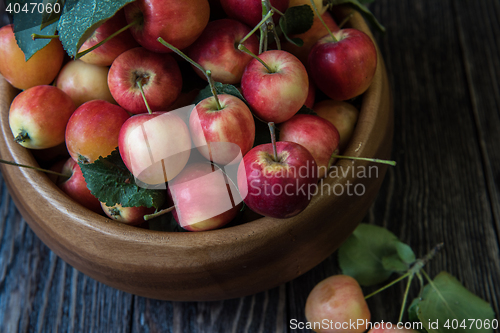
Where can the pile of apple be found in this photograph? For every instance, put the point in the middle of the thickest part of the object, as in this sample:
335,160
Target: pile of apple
126,94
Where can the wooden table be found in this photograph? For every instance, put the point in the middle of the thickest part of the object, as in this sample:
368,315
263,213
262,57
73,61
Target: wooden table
443,62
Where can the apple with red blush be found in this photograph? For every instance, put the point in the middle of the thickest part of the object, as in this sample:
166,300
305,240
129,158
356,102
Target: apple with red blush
342,115
159,75
217,50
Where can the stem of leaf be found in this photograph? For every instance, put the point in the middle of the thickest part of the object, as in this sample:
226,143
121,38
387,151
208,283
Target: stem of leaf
402,277
272,129
139,83
161,212
266,7
34,168
257,27
242,47
376,160
322,21
405,298
346,20
37,36
90,49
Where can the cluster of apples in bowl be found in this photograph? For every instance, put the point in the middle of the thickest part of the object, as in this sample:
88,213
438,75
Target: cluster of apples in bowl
131,93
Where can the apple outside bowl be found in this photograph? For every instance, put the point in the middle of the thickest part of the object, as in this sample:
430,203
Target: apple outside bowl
212,265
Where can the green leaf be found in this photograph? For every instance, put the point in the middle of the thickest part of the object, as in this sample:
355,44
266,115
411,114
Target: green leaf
394,264
27,23
109,180
362,254
52,16
220,88
405,253
446,302
412,313
81,17
359,5
297,20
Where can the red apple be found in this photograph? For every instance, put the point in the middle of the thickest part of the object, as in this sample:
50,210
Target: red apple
250,11
203,197
159,74
343,69
337,300
38,116
342,115
41,68
107,52
93,130
222,135
277,188
217,50
310,37
391,328
76,187
178,22
316,134
127,215
155,147
278,95
84,82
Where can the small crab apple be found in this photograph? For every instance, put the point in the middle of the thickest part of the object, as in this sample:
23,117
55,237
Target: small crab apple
159,74
40,69
337,299
316,134
277,92
179,22
93,129
107,52
126,215
217,50
76,187
38,116
84,82
342,115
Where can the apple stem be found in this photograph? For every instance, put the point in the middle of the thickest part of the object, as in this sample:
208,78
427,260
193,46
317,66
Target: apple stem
376,160
272,129
37,36
90,49
257,27
34,168
346,20
139,83
405,297
402,277
322,21
161,212
242,47
211,83
266,7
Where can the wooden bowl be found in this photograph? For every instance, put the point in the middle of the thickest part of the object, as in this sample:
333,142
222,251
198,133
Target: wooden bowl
213,265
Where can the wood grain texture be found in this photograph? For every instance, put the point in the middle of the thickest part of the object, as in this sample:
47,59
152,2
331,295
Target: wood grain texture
443,60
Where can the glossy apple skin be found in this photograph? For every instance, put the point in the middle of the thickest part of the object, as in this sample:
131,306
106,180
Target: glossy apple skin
338,298
343,69
179,23
279,95
203,200
222,135
40,69
316,134
266,186
126,215
93,129
159,74
155,147
84,82
76,187
217,50
42,112
342,115
107,52
394,328
250,11
310,37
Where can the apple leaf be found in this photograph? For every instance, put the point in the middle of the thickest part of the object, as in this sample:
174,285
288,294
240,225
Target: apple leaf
220,88
447,306
81,17
30,21
52,16
109,180
370,255
359,5
297,20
